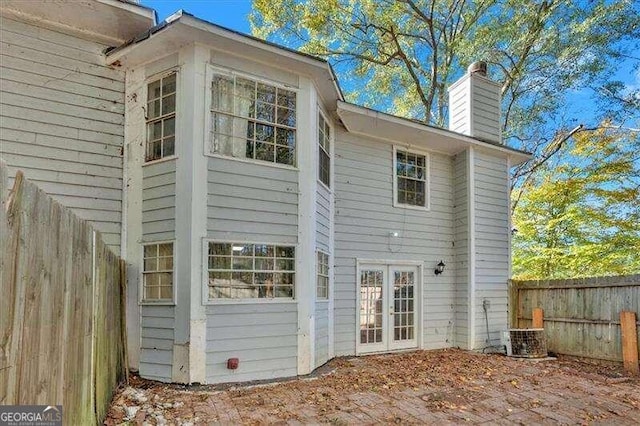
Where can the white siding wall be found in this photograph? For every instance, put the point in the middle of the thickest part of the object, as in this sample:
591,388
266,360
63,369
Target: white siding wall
156,354
461,266
262,335
486,109
364,217
252,202
323,218
159,201
322,333
62,121
491,244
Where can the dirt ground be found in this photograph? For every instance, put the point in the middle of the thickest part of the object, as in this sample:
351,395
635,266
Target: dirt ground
423,387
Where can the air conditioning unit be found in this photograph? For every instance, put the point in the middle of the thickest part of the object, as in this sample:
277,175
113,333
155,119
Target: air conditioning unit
525,342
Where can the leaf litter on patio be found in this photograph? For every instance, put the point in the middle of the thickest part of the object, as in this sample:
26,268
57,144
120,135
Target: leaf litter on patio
412,387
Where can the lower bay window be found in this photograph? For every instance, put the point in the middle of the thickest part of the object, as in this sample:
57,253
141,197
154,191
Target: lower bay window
250,271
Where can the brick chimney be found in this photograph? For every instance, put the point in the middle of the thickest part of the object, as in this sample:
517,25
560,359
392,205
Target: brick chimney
474,105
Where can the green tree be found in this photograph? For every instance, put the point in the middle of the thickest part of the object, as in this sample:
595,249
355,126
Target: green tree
580,216
400,56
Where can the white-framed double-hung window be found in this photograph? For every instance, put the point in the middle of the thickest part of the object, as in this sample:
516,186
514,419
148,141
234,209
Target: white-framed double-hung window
161,118
322,275
252,119
411,179
324,150
157,272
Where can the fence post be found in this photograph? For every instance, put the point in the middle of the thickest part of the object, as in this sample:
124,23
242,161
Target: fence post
513,303
629,342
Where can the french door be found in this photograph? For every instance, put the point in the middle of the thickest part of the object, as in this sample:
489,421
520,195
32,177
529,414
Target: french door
388,307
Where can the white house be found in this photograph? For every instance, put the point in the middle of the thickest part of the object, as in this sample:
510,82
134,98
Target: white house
263,219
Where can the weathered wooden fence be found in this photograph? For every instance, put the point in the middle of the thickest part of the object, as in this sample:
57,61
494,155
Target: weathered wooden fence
581,316
61,308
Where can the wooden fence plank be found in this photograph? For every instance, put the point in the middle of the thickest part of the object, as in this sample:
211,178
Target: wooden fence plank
629,342
538,318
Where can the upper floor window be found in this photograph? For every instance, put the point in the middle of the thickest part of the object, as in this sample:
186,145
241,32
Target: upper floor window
322,277
251,119
247,271
157,274
161,118
410,178
324,157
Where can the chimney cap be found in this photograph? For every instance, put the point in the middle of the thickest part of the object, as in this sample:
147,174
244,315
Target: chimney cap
478,67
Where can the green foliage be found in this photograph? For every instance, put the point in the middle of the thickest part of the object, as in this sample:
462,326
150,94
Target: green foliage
581,216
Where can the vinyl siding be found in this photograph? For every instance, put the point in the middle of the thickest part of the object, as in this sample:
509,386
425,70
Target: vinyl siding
251,202
486,109
322,333
364,217
323,218
156,354
491,245
159,201
62,121
262,335
461,265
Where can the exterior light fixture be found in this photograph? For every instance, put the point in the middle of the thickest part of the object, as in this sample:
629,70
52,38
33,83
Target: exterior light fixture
440,268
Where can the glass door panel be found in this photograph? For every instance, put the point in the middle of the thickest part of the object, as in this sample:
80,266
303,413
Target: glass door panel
403,322
372,318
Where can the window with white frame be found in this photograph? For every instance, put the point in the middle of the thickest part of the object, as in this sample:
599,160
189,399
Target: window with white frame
252,119
161,118
411,178
157,274
322,270
324,157
250,271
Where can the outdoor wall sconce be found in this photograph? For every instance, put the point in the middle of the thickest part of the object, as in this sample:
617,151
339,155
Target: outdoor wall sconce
440,268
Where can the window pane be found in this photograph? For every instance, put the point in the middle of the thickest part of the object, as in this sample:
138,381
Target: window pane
151,264
153,109
168,146
264,278
216,262
245,97
284,278
169,126
242,249
165,263
154,150
222,124
264,151
166,292
169,84
154,131
266,93
286,137
153,90
165,249
284,291
265,133
264,264
242,263
284,155
265,112
285,265
286,117
287,98
264,250
222,94
285,251
169,104
220,249
242,279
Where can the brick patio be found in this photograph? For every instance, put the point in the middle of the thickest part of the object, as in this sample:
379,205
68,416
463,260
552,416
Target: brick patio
423,387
